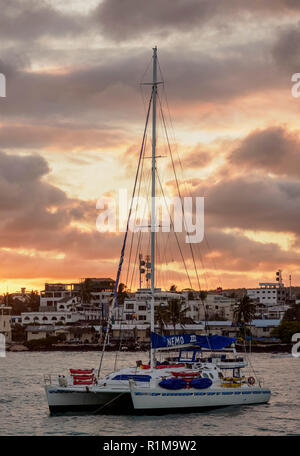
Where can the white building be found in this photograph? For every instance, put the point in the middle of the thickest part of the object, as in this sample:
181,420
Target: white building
50,318
270,293
137,307
63,296
217,305
267,312
55,292
221,328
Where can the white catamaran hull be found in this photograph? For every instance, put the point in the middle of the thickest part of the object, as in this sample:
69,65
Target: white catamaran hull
192,399
155,399
62,400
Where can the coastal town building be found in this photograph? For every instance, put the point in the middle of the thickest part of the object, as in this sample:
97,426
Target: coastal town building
93,292
221,328
5,326
136,308
70,334
21,295
263,328
54,292
130,333
219,306
66,305
50,318
270,293
15,319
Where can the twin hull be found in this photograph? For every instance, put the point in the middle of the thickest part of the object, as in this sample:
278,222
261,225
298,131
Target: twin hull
157,399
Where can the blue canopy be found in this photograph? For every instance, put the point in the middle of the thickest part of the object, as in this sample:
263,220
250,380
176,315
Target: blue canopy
211,342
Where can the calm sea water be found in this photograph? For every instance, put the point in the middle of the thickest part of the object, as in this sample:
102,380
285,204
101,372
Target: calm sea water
24,410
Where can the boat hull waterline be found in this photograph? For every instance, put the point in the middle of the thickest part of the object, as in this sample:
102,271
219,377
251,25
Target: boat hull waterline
138,400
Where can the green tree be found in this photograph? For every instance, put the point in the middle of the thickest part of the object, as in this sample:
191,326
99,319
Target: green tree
244,313
293,313
176,314
122,294
203,296
33,301
18,333
85,291
285,330
17,305
161,317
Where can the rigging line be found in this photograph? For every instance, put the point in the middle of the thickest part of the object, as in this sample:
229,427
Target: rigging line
178,189
172,224
133,234
213,261
135,259
125,237
197,247
174,139
187,188
131,246
140,235
141,83
139,188
165,264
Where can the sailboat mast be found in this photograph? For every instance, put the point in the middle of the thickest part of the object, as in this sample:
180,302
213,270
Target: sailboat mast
153,227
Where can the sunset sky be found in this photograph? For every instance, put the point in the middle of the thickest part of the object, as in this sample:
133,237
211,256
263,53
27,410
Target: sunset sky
73,117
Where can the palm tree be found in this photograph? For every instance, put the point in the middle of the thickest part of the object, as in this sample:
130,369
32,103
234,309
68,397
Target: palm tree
244,312
85,291
176,314
121,295
161,317
203,296
33,301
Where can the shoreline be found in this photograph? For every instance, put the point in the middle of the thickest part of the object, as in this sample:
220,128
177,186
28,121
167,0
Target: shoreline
255,348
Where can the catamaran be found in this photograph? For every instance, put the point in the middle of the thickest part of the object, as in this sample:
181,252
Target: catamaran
195,372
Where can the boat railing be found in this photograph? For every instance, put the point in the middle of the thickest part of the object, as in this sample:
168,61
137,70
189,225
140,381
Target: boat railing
260,381
48,379
62,380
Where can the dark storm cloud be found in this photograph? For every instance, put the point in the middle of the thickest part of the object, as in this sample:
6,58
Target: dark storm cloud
286,49
121,20
91,90
239,253
22,188
253,202
112,86
59,137
273,150
37,215
132,18
32,19
27,222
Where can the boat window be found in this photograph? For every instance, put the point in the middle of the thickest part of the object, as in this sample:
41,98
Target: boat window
205,375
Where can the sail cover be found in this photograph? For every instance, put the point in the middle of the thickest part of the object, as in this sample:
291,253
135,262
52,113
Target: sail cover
211,342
